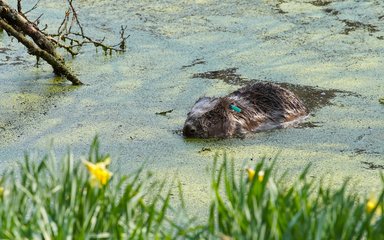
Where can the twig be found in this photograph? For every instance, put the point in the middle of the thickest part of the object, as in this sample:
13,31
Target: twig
19,6
63,25
36,22
67,48
122,37
34,49
75,18
33,8
65,33
85,40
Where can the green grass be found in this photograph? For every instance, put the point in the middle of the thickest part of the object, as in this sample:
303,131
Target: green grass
55,199
266,209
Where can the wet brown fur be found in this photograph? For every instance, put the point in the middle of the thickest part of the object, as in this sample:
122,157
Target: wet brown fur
263,106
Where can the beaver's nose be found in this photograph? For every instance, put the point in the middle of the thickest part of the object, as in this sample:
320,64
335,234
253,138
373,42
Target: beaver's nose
189,130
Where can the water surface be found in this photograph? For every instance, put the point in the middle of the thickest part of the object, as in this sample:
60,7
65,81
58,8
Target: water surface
326,47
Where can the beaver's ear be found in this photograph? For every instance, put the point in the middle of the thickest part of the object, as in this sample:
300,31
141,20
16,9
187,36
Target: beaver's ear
204,104
203,100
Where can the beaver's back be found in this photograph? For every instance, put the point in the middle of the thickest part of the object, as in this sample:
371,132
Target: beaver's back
277,104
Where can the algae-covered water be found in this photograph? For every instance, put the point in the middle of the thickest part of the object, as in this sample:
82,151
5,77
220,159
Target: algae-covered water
330,52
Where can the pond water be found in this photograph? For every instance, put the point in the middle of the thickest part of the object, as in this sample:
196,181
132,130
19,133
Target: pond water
330,52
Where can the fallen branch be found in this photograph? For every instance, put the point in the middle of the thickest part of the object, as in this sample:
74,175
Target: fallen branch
18,26
34,49
20,23
44,45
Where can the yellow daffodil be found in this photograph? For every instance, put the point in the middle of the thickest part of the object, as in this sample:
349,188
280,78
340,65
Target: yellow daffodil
371,204
260,175
251,174
99,174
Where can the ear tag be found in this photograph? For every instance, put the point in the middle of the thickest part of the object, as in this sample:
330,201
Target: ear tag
235,108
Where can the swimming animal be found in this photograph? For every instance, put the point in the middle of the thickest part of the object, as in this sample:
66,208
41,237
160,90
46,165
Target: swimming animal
256,107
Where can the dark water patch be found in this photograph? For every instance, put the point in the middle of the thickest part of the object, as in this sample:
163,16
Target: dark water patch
360,151
205,149
320,3
371,165
164,113
4,50
313,97
195,62
228,75
8,58
309,125
351,26
18,60
331,11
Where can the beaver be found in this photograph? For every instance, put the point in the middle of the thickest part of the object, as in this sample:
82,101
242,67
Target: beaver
255,107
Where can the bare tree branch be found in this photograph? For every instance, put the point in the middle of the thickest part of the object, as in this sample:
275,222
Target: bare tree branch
44,45
34,49
22,24
78,39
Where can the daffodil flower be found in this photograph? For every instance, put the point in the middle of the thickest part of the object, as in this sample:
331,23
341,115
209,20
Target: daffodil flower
260,175
252,173
371,204
99,174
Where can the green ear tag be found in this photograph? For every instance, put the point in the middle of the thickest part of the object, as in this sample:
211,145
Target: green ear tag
235,108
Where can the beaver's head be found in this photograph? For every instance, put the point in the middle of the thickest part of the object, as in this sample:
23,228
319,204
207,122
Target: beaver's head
209,118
